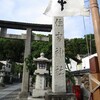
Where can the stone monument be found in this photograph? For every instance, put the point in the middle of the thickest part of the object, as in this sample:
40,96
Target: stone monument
58,56
41,73
58,63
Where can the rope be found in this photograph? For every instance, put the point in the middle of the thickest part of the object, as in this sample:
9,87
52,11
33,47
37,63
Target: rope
87,43
86,35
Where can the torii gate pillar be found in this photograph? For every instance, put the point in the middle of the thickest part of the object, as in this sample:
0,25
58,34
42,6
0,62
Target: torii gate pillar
24,90
3,31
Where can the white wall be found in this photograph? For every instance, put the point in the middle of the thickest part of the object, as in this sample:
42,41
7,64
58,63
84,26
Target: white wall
85,61
72,66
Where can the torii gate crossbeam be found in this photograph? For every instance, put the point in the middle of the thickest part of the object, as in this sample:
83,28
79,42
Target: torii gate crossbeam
24,26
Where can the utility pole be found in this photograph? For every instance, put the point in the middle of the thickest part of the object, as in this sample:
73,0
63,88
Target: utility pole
96,24
95,76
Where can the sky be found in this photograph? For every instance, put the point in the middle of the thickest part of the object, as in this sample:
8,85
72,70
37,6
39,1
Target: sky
32,12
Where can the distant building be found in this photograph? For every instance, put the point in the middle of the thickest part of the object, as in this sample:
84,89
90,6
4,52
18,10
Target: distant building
85,61
74,64
80,64
6,66
5,72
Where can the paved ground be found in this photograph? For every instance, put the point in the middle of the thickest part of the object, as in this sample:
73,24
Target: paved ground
10,92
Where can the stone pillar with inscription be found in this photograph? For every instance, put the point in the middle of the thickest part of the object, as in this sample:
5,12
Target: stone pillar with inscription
58,56
58,64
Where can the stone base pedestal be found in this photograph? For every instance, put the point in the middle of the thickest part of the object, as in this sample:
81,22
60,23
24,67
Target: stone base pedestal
38,93
60,96
31,98
22,96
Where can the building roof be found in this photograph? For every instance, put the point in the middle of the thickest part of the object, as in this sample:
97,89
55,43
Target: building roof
3,62
80,72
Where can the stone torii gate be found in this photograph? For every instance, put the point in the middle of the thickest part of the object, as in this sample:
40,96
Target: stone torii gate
29,27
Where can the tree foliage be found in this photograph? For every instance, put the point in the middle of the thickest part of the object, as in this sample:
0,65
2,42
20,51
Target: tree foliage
14,49
79,46
16,68
30,64
41,46
11,49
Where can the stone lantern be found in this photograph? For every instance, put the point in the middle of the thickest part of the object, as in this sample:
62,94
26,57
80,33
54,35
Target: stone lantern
41,73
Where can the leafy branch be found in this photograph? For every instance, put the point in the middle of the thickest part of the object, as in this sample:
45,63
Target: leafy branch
30,64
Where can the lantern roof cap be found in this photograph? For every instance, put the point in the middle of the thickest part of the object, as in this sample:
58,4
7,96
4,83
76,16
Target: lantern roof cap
42,58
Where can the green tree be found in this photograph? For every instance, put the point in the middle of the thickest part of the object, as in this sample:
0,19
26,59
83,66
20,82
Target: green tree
80,46
11,49
41,46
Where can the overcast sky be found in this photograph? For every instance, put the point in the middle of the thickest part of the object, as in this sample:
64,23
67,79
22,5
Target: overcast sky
31,11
